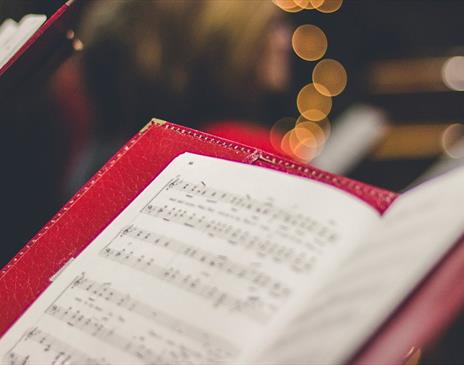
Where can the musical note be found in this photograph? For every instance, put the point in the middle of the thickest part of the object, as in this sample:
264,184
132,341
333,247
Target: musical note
296,260
60,351
187,274
95,328
219,347
262,208
213,261
193,284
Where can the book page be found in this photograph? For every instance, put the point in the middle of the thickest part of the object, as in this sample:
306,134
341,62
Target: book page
194,271
7,30
16,36
413,235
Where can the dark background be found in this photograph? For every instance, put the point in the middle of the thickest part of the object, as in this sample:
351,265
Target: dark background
36,146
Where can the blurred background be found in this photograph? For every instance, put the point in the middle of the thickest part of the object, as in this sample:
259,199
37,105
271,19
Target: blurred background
367,89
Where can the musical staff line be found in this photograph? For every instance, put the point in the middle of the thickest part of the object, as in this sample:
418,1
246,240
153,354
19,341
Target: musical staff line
297,261
213,343
165,187
189,283
262,208
218,262
94,328
65,353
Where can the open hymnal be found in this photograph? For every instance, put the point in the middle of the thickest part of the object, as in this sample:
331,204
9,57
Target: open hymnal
222,262
14,35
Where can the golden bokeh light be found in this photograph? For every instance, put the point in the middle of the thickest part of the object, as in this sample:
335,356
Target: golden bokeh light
285,146
304,4
290,6
309,42
303,143
279,129
453,73
78,45
329,77
327,6
306,140
70,34
316,3
320,129
300,138
313,105
451,135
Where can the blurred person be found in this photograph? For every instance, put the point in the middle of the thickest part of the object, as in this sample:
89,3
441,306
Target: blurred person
34,147
190,62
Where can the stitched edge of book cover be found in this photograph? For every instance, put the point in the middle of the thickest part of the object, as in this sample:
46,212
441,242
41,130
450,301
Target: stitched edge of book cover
109,191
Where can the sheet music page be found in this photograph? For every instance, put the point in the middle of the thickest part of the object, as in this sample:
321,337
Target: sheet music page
413,235
194,271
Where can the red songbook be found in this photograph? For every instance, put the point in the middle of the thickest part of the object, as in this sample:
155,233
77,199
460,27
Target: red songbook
188,248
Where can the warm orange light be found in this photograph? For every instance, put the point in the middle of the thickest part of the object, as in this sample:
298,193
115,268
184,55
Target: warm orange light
316,3
285,146
304,4
302,140
303,144
321,129
290,6
309,42
313,105
279,129
70,34
78,45
329,77
327,6
306,140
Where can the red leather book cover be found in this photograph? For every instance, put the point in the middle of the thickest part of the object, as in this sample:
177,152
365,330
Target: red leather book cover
137,163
